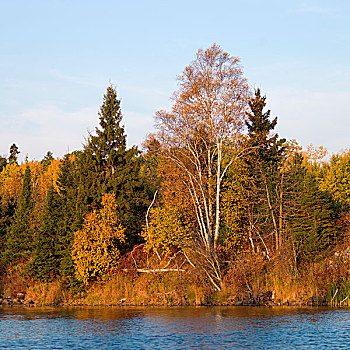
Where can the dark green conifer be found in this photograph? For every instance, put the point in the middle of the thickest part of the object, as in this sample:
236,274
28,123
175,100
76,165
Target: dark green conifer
72,212
45,257
314,224
263,161
7,211
13,154
20,236
106,166
260,132
46,161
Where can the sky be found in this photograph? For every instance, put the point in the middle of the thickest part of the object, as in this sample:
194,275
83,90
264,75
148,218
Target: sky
58,57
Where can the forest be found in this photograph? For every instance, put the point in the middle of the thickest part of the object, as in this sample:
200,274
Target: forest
213,208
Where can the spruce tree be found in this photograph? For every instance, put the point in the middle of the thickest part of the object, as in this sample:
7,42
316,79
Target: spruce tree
270,148
265,157
314,223
13,154
46,161
45,258
63,215
106,165
7,211
20,236
71,214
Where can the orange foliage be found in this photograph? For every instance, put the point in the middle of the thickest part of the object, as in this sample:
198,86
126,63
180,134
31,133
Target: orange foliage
208,114
95,249
11,179
11,182
315,154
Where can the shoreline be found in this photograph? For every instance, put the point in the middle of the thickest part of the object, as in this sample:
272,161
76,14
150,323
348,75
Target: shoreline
311,302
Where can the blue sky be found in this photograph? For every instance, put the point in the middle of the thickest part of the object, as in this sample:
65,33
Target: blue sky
58,57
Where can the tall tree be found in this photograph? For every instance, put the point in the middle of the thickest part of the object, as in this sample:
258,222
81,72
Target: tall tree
106,165
264,162
200,135
269,148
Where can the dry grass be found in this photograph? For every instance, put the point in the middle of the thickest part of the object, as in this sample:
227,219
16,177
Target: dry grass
48,293
146,289
249,274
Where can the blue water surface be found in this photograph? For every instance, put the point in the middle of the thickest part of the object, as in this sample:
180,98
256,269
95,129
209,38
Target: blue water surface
174,328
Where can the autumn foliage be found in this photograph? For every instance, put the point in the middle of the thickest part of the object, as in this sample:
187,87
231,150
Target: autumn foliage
216,201
95,247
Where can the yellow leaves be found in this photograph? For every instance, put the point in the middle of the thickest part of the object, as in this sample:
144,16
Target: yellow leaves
95,249
314,154
233,208
11,179
166,230
335,178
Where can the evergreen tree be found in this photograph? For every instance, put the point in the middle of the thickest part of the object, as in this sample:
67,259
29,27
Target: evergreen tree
6,213
107,166
20,236
45,257
13,154
270,148
71,213
263,163
313,224
3,162
47,159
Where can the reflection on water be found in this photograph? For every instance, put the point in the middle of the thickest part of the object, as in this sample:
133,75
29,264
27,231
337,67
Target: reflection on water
174,328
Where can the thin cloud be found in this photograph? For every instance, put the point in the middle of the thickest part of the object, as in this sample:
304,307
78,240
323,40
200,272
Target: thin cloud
49,127
37,130
313,8
312,117
55,73
137,126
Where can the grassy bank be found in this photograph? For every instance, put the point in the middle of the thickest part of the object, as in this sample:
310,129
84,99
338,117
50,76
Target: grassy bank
243,283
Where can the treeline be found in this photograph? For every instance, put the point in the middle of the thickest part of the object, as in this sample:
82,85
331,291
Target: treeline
67,218
214,191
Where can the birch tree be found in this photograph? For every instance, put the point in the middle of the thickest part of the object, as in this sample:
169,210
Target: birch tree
201,133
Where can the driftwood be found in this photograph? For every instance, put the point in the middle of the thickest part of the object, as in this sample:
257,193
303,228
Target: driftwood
154,270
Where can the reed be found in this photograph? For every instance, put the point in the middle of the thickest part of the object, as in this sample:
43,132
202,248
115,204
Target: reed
44,293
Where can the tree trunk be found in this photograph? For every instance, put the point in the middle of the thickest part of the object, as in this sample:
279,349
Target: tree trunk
218,187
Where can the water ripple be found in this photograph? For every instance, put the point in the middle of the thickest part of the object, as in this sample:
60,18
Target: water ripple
174,328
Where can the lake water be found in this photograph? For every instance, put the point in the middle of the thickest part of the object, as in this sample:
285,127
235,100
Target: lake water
174,328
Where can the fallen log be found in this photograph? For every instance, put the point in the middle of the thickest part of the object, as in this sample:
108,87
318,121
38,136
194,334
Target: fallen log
154,270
